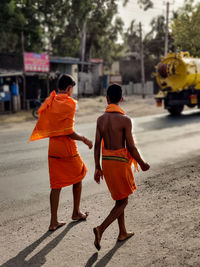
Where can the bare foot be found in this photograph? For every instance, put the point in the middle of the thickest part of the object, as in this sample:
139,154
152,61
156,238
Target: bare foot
97,238
125,236
55,227
80,216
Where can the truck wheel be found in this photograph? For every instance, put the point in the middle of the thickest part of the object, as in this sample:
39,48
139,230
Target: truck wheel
175,110
191,105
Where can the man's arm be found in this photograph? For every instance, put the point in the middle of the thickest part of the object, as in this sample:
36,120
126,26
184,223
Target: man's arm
132,148
97,151
78,137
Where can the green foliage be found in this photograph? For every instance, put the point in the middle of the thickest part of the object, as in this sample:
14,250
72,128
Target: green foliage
57,27
132,38
185,29
101,30
9,17
102,34
155,39
17,16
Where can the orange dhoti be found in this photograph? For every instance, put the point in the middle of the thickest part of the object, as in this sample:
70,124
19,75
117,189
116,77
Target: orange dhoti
65,164
117,171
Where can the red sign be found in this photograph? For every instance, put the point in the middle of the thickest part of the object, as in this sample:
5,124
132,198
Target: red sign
36,62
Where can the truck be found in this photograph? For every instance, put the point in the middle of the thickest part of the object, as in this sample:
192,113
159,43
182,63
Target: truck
178,78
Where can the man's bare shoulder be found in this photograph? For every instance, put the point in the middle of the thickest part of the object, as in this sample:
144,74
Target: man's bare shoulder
104,115
127,118
124,119
100,118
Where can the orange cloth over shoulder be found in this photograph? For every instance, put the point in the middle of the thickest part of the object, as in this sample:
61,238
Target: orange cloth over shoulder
56,121
116,166
114,108
56,117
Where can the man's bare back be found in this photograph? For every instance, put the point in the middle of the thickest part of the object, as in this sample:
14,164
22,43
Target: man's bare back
116,131
112,127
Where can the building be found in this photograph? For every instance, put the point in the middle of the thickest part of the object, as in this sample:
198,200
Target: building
24,81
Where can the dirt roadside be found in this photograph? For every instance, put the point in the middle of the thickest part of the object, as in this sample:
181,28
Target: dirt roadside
90,108
163,212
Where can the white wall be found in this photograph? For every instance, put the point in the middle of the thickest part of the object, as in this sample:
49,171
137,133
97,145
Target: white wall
136,88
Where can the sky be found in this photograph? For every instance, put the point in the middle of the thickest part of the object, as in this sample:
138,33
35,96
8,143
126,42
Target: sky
133,12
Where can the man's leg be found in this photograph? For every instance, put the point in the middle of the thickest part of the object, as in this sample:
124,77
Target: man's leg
77,214
54,201
114,214
123,234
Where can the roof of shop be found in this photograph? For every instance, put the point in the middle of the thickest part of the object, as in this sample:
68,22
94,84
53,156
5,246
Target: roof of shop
66,60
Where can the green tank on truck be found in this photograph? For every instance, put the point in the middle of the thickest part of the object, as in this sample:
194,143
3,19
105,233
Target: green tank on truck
178,77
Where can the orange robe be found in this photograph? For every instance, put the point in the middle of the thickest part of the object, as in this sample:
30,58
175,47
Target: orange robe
116,166
56,121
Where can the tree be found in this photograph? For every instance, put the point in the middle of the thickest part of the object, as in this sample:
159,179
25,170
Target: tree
185,29
54,17
101,30
17,17
102,34
10,23
132,40
155,39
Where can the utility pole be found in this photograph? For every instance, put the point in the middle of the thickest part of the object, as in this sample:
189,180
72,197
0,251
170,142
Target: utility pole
142,61
24,75
166,29
48,73
83,41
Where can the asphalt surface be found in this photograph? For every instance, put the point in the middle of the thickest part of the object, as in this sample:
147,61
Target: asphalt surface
24,166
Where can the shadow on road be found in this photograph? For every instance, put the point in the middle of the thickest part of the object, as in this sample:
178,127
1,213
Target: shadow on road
169,121
106,258
39,258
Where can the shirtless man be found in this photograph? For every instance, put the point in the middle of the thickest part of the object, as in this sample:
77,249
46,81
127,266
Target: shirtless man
114,129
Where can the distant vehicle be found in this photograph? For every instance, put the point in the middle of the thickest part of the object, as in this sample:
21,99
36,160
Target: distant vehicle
37,104
178,76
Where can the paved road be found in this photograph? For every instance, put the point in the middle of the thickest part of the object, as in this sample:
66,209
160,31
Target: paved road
24,169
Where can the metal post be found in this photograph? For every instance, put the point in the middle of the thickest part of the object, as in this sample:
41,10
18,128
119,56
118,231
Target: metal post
166,29
24,74
48,89
142,61
83,41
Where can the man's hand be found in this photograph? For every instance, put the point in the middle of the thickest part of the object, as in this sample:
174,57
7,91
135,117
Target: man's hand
88,142
97,175
145,166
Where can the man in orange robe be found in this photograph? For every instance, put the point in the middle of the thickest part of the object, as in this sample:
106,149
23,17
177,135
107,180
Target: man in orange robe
56,121
114,131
